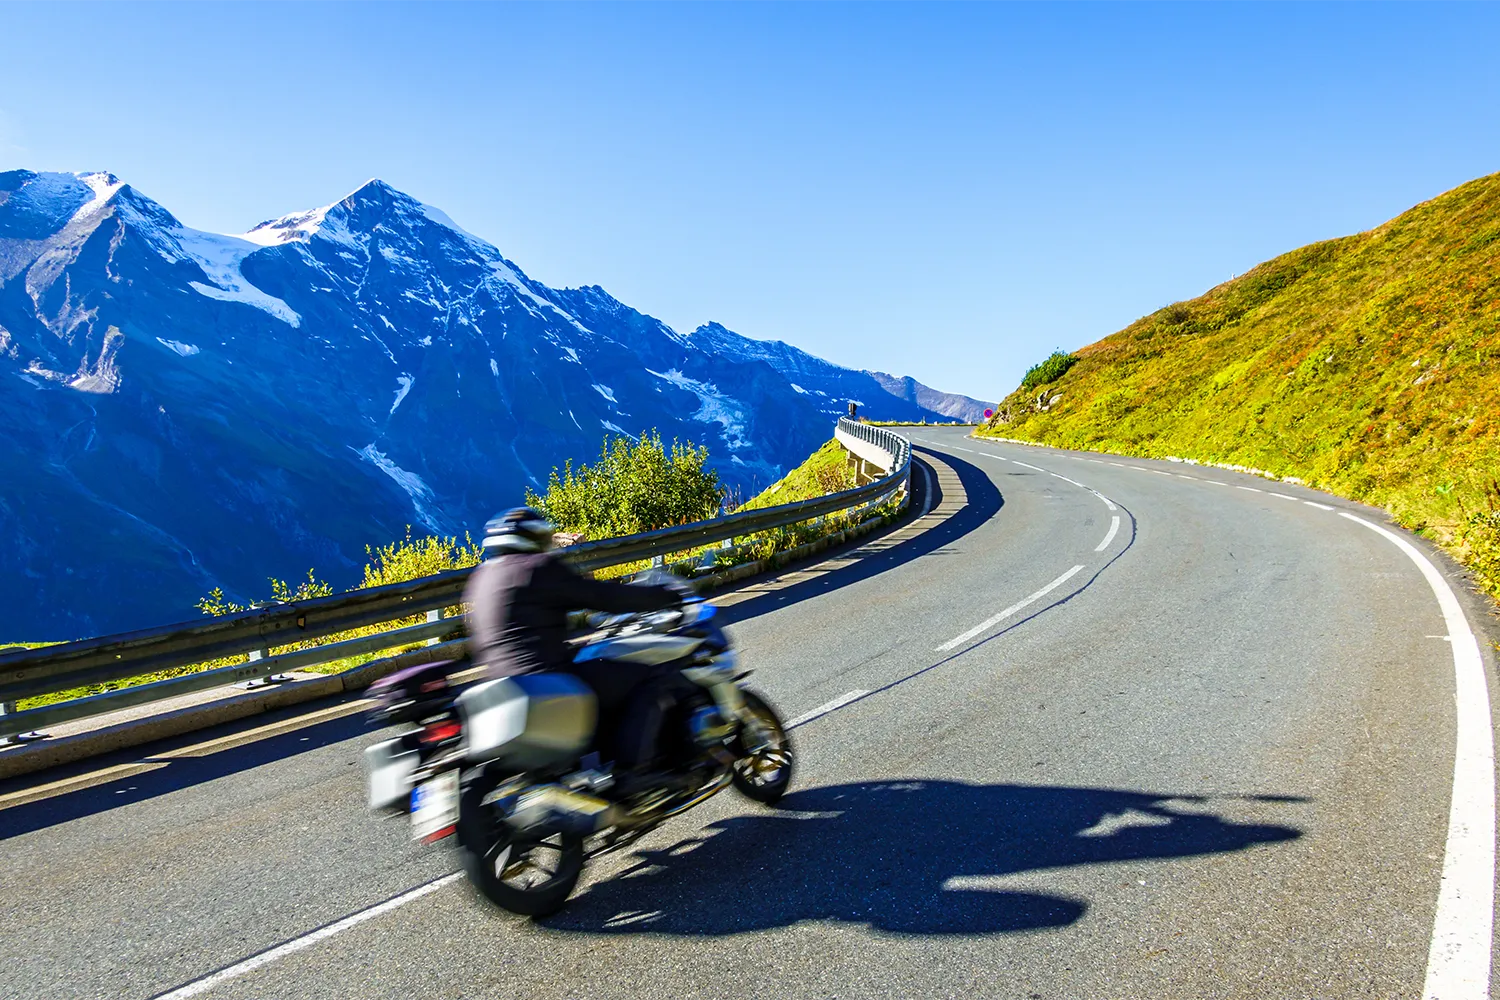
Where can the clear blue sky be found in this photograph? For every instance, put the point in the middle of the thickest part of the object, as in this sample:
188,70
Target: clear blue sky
944,191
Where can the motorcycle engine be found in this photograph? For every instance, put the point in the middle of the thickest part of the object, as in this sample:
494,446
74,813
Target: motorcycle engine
708,727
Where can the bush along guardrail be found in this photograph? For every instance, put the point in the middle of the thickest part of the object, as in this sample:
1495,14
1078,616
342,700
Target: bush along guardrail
29,673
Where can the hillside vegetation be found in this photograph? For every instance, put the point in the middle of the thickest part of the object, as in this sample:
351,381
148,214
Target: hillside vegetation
825,471
1368,366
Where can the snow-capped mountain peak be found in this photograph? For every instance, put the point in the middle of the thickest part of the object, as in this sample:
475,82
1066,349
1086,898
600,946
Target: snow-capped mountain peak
226,408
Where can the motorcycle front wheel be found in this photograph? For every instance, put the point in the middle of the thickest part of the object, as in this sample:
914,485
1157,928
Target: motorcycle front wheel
763,770
532,877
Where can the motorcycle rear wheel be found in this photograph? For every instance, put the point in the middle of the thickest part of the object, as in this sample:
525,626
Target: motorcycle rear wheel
529,877
763,773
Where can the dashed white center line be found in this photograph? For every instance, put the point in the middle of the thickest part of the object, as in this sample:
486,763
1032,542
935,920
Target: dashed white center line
825,708
1282,496
991,622
1214,482
1114,526
1251,489
1032,467
1320,506
1181,476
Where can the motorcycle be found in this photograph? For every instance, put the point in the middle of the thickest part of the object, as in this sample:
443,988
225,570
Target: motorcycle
509,768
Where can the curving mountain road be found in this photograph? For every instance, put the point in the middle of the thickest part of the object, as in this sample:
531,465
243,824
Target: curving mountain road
1100,728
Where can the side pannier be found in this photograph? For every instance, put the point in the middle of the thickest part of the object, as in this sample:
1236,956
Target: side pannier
533,721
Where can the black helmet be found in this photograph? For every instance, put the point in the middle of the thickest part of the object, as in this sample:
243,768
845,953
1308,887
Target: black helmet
521,529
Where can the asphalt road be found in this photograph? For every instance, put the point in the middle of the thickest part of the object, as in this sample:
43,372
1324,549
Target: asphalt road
1209,755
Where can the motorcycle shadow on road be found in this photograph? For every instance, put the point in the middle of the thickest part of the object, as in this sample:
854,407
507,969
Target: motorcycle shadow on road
983,501
903,857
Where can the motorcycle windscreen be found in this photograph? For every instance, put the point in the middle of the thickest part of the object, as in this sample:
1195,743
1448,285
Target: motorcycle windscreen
532,721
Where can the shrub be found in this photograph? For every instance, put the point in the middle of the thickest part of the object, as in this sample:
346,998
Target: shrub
411,559
634,486
1049,370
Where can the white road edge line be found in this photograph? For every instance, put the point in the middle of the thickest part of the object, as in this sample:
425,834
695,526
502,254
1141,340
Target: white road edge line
989,623
270,955
1019,462
1320,506
1107,501
1458,960
1114,526
825,708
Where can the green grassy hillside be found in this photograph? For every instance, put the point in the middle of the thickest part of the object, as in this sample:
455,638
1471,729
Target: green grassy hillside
1368,366
825,471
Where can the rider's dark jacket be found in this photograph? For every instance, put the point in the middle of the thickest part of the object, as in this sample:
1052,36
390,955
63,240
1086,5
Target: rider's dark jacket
519,604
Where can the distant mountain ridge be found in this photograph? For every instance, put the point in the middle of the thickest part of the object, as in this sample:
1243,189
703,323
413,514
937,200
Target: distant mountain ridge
965,409
811,375
181,410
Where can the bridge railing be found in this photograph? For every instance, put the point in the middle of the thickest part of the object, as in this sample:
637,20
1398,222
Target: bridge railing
53,669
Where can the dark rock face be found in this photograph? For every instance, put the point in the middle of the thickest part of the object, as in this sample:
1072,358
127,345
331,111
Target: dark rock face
181,410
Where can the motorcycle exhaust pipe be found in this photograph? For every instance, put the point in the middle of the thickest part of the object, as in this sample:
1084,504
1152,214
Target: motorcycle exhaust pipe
555,807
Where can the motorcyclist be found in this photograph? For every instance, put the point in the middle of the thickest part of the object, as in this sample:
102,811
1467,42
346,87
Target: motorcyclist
519,599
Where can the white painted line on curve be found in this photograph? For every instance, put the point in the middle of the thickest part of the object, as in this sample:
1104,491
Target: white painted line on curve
1114,526
1181,476
989,623
1067,480
969,450
1281,495
1320,506
1107,501
1214,482
825,708
270,955
1458,960
1019,462
1252,489
1120,465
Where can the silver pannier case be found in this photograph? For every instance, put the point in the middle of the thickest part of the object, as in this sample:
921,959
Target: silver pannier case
390,767
534,721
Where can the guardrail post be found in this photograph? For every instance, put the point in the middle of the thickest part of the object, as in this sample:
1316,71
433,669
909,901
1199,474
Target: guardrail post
9,708
435,615
256,682
261,654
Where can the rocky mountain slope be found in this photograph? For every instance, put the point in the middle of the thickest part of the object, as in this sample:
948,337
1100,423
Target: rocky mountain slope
181,410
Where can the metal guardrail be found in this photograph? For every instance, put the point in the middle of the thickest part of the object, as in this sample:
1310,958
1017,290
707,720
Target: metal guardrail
29,673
